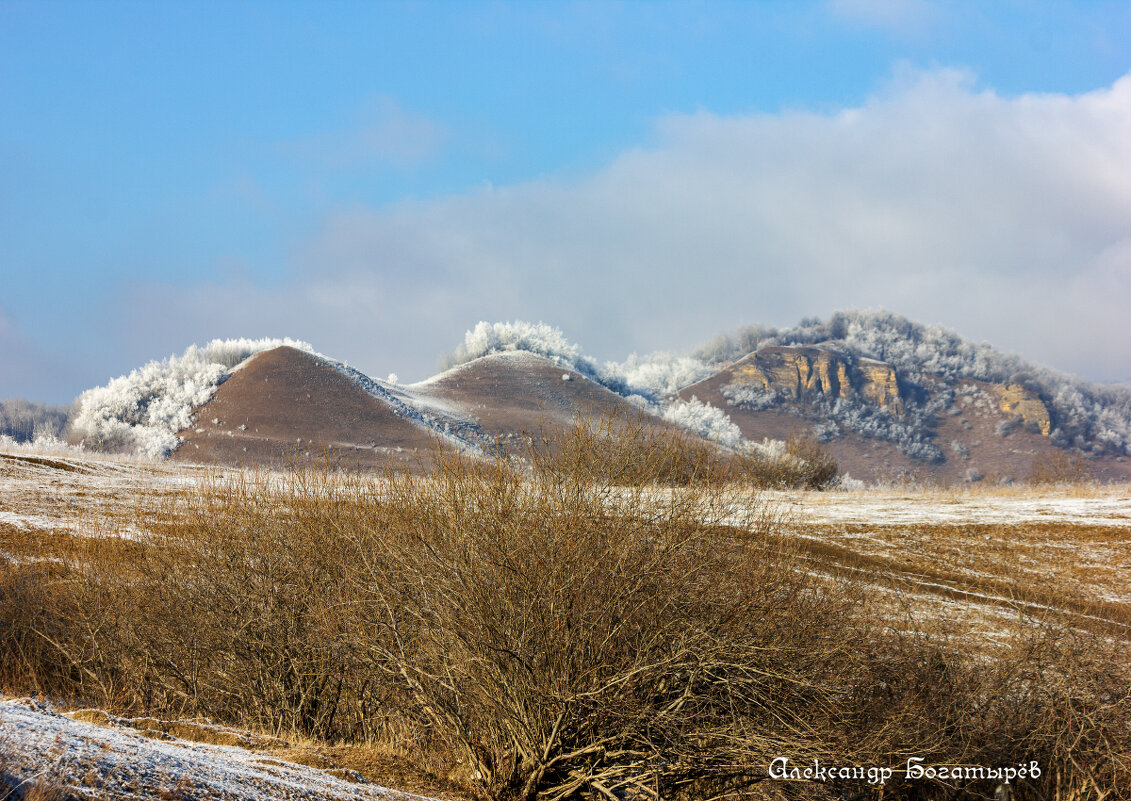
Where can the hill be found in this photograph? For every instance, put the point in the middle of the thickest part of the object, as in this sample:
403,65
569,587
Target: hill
890,397
286,404
514,392
893,397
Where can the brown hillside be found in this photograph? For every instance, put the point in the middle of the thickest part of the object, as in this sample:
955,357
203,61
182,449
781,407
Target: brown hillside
509,394
285,404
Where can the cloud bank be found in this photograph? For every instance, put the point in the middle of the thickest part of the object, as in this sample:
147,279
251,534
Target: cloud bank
1007,219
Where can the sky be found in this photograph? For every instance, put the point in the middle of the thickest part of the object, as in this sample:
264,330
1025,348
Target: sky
375,178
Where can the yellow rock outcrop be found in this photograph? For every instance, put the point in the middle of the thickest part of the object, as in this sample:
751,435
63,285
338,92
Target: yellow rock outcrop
805,371
1016,401
880,384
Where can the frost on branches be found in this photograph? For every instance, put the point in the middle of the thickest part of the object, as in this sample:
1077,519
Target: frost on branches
143,411
538,338
705,420
651,377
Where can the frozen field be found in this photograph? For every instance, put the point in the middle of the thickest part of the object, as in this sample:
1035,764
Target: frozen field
973,559
1019,546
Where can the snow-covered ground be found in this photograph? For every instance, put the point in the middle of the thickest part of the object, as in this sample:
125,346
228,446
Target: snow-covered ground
118,762
83,492
1109,506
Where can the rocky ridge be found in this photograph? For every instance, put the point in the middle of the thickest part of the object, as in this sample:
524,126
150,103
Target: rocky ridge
802,372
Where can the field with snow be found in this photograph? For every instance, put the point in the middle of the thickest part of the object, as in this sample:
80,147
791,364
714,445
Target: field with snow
996,548
974,560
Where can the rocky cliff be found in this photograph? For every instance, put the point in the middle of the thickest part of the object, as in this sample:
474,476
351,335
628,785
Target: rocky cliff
804,372
1017,401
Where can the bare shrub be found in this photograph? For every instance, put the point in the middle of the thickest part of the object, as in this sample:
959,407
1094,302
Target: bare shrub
805,464
244,611
635,450
1058,467
626,449
577,641
548,635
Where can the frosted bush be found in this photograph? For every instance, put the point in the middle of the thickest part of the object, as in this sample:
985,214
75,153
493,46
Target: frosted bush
826,431
538,338
910,432
650,377
143,411
774,450
750,397
849,484
43,443
657,374
705,420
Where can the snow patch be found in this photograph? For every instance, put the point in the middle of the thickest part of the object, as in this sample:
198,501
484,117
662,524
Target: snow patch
126,764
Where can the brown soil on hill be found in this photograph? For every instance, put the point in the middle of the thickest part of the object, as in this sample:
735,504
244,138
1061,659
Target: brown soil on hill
511,394
285,405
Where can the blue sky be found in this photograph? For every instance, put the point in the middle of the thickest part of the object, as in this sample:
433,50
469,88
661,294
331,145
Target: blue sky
377,177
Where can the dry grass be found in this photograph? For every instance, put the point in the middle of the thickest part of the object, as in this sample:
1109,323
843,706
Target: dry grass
515,633
1082,572
624,449
18,784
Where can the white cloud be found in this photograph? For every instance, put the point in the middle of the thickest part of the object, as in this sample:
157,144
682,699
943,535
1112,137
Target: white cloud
1004,218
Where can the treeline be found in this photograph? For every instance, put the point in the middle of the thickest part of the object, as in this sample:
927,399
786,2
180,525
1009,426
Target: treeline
24,420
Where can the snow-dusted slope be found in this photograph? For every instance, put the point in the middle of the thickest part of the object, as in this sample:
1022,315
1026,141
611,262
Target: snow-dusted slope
144,411
115,762
648,381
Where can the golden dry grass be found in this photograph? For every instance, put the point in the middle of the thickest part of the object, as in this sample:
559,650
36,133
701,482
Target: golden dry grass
503,632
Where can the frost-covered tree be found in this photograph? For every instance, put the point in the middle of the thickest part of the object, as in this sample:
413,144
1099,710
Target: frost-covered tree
651,377
143,411
657,374
538,338
705,420
23,420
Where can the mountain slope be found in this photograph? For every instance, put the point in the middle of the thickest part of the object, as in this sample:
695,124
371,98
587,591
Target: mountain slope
286,404
1089,417
970,438
516,392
